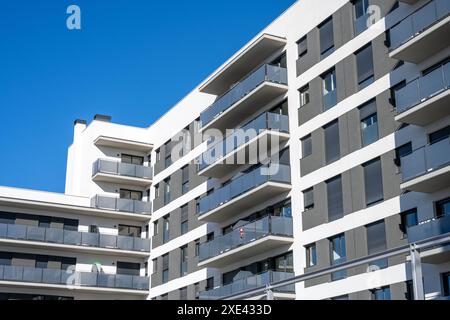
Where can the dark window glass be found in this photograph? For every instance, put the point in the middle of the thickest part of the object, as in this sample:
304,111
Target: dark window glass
332,147
408,220
183,294
361,7
376,242
364,64
165,274
329,92
373,182
401,152
381,294
130,231
183,264
302,46
155,228
184,219
308,198
440,135
446,284
338,255
326,37
131,194
209,284
443,207
304,95
185,179
334,197
306,146
311,255
166,229
130,159
369,123
128,268
167,197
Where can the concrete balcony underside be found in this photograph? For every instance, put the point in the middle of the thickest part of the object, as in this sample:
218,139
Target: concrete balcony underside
245,251
429,182
276,296
427,111
229,162
123,144
121,179
425,44
248,105
245,201
72,248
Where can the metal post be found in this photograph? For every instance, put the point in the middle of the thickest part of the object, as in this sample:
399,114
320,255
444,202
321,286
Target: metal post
416,269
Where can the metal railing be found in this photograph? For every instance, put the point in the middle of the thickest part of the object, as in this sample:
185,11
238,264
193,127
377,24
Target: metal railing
248,233
121,169
243,184
426,159
249,282
266,73
121,205
423,88
429,228
72,278
418,22
74,238
265,121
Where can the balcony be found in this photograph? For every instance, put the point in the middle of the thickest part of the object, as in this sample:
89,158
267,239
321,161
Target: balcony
429,229
103,141
248,283
223,156
246,241
70,279
425,99
254,187
422,34
82,241
410,1
121,173
121,205
245,98
427,169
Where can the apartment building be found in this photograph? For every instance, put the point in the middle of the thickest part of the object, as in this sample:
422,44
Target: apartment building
323,140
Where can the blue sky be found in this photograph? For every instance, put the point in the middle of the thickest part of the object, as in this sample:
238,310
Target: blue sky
133,60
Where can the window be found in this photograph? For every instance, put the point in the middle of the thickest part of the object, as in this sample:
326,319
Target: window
183,294
128,268
157,155
409,294
311,255
443,207
338,255
369,123
343,297
304,95
184,219
166,229
373,182
446,284
376,242
167,191
364,65
183,264
381,294
165,274
329,89
157,191
196,290
210,237
156,228
308,199
332,147
165,296
302,46
185,179
130,159
130,194
326,38
130,231
197,247
197,205
155,265
360,8
209,284
401,152
439,135
335,201
306,146
408,220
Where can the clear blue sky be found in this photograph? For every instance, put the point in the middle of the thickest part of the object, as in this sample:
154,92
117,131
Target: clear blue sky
133,60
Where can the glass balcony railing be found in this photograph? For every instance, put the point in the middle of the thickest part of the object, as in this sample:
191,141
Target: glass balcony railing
75,238
265,121
122,205
121,169
266,73
418,22
426,159
423,88
270,225
429,229
72,278
243,184
248,283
